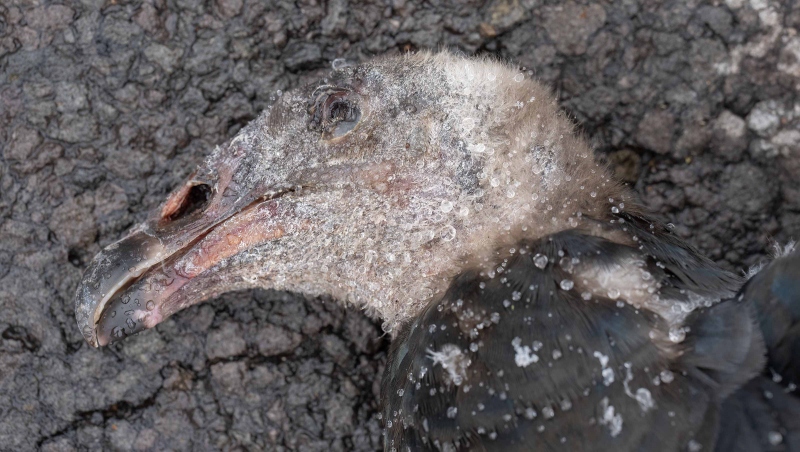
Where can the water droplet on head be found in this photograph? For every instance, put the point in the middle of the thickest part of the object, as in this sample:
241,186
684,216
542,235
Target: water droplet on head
593,194
339,63
519,77
448,233
113,314
446,206
126,299
566,284
117,332
150,305
468,124
540,260
131,324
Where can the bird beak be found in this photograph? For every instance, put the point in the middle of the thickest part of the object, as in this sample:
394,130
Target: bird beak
112,269
137,282
161,266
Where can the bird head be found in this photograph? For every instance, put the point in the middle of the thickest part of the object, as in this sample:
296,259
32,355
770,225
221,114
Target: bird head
375,186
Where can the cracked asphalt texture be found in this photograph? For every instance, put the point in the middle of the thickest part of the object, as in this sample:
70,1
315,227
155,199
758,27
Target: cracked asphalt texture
106,105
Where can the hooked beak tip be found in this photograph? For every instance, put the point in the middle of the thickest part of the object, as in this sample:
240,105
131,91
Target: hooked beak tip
96,304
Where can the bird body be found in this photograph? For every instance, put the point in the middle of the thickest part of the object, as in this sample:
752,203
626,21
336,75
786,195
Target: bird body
534,303
539,356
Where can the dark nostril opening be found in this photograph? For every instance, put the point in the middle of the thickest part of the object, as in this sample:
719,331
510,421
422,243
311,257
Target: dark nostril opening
196,199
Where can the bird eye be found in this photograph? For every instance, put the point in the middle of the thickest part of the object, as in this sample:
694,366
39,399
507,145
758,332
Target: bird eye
334,112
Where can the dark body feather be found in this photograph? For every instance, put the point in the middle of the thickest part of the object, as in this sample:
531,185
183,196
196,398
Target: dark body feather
602,380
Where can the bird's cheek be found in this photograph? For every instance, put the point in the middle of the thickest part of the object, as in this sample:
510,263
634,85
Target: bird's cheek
390,182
